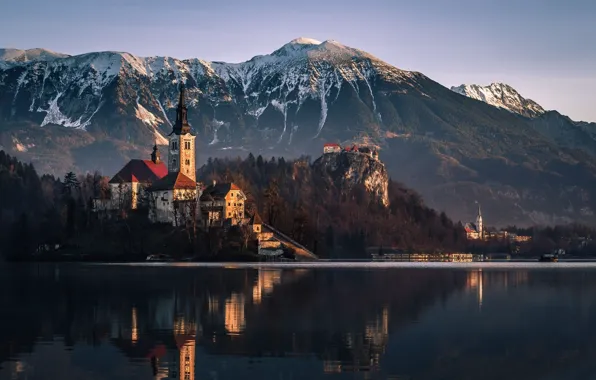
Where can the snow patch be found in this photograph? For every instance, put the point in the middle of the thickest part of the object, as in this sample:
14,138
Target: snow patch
145,116
164,113
20,82
153,121
283,108
305,41
323,92
216,125
55,116
258,112
502,96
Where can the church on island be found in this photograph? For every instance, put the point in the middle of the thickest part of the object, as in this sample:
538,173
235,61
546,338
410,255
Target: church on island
475,231
170,191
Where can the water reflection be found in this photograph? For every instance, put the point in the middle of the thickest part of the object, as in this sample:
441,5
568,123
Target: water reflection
189,323
234,314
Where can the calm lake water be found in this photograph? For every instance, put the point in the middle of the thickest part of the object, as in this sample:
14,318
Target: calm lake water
357,322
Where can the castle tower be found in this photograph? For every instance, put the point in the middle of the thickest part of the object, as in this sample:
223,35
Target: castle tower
181,157
155,155
479,223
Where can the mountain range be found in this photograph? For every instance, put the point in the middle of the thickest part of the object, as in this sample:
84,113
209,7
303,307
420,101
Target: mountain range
455,146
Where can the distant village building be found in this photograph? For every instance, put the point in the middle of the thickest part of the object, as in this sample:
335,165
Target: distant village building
475,231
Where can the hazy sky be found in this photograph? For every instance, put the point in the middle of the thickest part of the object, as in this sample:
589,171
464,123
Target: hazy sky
546,49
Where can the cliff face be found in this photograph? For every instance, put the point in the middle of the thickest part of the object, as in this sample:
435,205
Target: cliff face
347,169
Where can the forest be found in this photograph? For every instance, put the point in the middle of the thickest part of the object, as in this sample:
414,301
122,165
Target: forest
289,195
334,222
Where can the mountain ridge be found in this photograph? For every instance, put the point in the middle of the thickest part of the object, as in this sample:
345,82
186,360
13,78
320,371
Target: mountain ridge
96,110
503,96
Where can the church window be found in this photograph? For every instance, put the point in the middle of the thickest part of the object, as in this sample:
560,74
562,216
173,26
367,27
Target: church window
187,162
187,145
229,204
174,162
174,145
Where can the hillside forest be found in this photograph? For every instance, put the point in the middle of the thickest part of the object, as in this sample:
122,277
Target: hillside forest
290,195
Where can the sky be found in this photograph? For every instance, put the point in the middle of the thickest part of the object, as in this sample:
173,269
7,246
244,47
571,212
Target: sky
546,49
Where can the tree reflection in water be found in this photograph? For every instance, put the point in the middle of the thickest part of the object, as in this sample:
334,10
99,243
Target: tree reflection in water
192,322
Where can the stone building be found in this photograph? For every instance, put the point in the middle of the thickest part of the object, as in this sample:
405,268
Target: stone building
222,204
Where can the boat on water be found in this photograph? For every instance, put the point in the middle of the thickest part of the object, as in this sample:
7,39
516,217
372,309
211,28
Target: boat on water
159,258
549,258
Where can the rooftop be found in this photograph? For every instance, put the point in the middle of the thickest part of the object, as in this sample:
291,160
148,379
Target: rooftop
142,171
174,180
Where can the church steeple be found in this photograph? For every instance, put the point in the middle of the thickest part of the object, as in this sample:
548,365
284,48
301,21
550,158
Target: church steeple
155,155
181,151
181,127
479,222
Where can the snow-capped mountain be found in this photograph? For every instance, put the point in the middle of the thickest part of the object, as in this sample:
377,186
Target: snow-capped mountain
94,111
503,96
286,95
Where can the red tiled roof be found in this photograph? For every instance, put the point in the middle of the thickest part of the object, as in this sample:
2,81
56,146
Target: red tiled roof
143,171
174,180
331,144
158,351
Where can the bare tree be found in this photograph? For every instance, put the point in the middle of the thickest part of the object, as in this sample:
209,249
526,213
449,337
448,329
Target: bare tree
247,233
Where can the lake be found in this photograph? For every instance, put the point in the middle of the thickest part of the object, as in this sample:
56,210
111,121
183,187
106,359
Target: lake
356,321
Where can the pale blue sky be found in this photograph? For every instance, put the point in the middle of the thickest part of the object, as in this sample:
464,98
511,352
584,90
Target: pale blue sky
546,49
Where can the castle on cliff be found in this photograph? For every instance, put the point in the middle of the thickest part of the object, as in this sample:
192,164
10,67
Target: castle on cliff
336,148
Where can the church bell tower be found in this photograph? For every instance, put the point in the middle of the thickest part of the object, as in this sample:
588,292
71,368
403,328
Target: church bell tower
479,223
181,157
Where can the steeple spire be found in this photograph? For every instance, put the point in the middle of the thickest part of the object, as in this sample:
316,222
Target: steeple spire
181,100
181,127
155,155
479,224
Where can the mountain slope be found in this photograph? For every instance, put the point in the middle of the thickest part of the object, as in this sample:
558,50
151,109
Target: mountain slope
94,111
